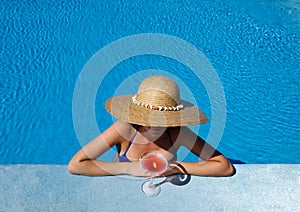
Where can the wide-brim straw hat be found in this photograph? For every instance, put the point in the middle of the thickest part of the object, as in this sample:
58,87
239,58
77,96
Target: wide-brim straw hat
157,103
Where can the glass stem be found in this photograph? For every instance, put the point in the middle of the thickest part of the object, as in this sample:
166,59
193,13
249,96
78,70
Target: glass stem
152,185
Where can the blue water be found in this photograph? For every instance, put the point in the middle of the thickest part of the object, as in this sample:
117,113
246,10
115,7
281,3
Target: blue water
253,45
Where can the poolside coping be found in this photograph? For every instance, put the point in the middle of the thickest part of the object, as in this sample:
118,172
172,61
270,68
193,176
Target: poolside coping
259,187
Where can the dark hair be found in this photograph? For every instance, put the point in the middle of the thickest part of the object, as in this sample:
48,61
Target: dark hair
118,146
135,126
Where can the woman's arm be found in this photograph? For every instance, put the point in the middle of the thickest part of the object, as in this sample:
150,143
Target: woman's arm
84,161
214,164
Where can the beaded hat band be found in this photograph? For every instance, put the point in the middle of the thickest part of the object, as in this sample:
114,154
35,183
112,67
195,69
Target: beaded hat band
156,107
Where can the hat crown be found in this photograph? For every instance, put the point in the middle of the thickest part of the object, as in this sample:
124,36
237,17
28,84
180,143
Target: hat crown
159,90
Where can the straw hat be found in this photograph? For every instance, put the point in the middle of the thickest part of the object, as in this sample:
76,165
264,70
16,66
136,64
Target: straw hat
157,103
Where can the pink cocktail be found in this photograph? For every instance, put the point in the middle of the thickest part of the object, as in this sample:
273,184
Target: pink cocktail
154,162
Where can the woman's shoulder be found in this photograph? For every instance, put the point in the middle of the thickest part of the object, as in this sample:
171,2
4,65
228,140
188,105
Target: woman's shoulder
124,129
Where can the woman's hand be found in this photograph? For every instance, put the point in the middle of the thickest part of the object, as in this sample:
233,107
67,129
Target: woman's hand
174,168
135,169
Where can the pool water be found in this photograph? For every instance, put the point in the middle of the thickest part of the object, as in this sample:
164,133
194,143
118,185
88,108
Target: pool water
254,47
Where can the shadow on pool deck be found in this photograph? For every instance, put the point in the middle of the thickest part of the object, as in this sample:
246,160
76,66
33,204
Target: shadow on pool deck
52,188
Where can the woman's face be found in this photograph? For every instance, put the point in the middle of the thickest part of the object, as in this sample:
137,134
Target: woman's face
152,133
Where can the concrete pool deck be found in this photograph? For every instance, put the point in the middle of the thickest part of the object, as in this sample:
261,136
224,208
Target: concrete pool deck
268,187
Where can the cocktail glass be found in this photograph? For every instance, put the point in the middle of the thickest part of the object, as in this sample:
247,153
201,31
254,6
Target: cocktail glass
155,163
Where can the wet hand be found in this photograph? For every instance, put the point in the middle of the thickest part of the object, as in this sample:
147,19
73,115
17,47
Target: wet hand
174,168
135,169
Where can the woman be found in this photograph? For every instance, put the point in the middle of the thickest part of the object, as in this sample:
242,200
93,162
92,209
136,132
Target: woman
155,119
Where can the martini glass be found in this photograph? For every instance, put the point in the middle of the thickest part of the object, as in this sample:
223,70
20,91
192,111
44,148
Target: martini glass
155,163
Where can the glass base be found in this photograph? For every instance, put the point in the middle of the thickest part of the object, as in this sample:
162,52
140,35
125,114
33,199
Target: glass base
150,189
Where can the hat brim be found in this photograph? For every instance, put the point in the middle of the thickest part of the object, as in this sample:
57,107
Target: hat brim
123,108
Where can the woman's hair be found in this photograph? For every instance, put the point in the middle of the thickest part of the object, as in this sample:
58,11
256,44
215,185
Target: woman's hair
118,146
135,126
